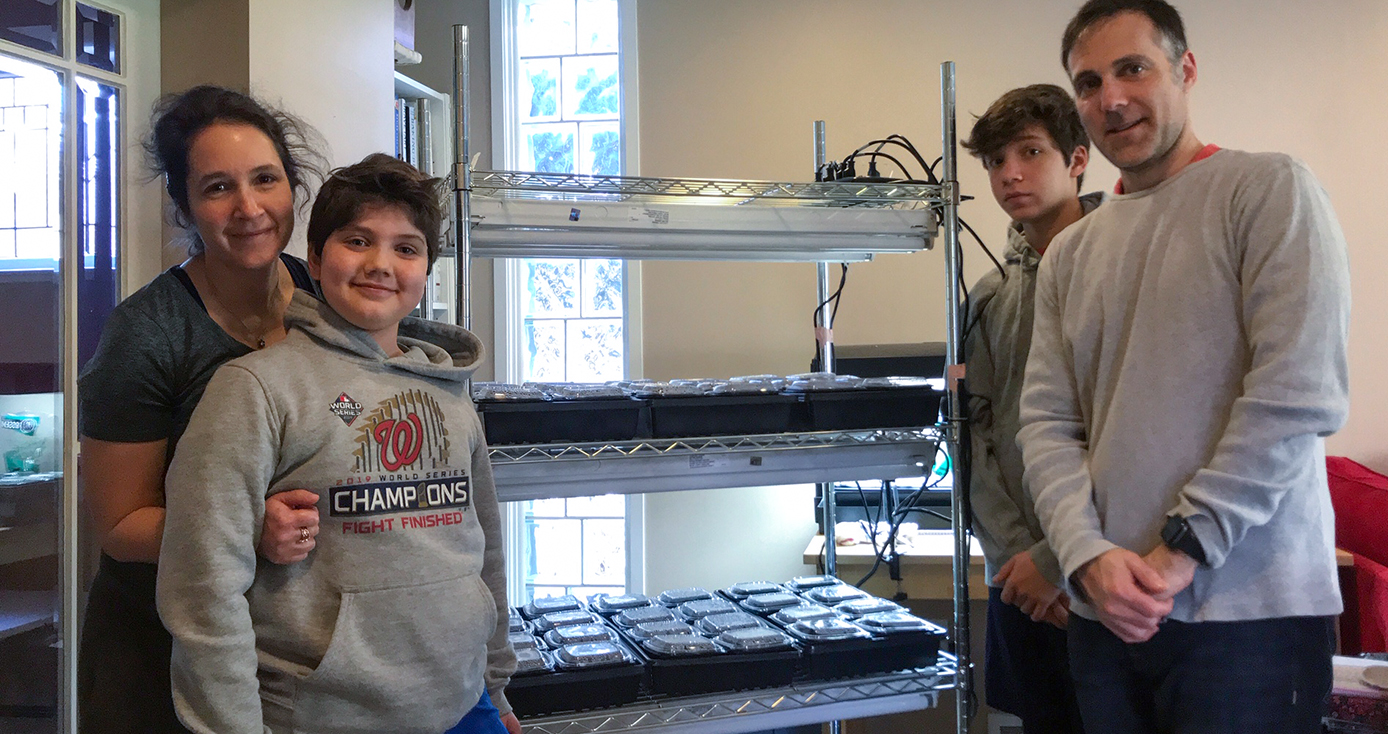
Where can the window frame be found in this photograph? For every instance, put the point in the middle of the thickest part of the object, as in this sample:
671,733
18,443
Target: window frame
508,274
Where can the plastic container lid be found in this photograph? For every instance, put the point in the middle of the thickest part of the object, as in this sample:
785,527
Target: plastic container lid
665,390
615,603
591,655
666,627
890,382
745,388
769,603
889,623
753,639
835,595
676,597
552,620
801,583
585,392
716,624
576,633
522,641
644,615
499,392
680,646
748,588
824,630
804,611
516,621
546,604
533,660
854,608
695,610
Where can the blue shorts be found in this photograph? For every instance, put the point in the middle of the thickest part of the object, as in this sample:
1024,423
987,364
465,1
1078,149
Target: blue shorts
484,718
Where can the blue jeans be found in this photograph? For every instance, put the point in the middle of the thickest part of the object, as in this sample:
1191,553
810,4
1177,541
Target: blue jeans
1267,676
482,719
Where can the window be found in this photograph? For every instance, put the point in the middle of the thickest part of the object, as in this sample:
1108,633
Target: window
564,87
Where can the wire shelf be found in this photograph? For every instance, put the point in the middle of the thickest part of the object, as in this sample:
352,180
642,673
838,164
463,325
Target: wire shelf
688,446
829,193
772,708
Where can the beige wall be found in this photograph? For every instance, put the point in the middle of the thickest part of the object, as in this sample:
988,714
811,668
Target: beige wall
729,88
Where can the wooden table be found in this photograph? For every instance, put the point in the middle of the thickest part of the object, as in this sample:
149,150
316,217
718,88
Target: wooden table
927,566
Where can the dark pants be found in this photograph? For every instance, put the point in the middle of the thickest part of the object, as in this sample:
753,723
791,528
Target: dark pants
1027,670
1269,676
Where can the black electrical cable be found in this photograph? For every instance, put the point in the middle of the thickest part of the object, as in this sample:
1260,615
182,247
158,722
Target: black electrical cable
817,318
979,240
875,154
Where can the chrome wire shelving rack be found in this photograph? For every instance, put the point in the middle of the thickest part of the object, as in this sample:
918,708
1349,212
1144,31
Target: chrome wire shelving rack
527,214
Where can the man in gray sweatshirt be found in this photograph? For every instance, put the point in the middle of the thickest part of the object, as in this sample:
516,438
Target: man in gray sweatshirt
1034,148
1188,360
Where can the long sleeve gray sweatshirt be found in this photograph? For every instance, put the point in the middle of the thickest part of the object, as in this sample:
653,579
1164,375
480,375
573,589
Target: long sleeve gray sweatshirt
398,615
997,338
1189,358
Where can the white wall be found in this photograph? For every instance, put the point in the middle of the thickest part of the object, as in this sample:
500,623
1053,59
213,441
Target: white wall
729,88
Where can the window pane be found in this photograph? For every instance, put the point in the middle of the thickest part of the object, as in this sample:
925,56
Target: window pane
98,285
33,23
553,288
31,100
539,90
607,505
595,350
602,288
544,345
545,27
553,561
98,38
600,148
548,508
548,148
597,26
604,552
590,87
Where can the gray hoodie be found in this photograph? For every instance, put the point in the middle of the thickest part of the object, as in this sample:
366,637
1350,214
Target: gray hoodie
397,616
996,341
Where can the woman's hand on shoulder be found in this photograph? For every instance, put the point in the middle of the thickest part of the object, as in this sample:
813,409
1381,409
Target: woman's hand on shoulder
291,526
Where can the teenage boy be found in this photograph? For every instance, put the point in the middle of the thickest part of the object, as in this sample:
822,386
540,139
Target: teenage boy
397,622
1035,150
1188,361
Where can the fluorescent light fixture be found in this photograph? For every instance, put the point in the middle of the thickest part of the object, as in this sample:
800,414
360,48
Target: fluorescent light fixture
513,227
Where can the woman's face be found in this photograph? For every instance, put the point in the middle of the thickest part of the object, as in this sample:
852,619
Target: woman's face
239,196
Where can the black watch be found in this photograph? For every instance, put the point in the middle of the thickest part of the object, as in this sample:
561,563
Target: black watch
1177,535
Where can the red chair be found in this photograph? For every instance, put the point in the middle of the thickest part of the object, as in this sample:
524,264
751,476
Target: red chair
1360,497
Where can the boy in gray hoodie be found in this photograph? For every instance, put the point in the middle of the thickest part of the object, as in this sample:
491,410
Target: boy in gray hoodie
396,622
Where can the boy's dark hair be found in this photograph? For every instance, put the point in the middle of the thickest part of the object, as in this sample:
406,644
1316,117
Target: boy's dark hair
1039,104
179,117
377,180
1166,19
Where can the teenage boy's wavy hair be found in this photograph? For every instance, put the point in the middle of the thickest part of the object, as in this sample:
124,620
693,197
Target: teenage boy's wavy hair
1171,31
1039,104
377,180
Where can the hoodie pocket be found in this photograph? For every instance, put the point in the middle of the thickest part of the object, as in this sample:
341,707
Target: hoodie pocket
402,659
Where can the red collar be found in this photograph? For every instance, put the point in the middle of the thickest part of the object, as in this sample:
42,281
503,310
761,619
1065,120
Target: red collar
1204,153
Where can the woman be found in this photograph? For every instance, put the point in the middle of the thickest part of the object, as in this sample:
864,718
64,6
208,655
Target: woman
233,169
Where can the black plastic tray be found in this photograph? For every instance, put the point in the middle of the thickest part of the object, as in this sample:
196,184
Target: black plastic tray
848,658
575,690
551,421
727,671
725,415
890,407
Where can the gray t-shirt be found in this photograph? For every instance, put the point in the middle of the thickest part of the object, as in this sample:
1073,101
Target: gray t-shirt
157,351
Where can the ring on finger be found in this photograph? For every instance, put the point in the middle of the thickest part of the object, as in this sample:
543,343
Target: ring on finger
304,535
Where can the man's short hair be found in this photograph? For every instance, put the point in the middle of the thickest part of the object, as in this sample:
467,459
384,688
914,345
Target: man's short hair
1166,19
1039,104
378,180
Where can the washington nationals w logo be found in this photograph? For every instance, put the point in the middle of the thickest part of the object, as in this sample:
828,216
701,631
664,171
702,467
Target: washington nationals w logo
404,432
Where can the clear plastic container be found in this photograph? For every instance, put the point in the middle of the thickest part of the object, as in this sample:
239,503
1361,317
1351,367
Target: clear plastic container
532,660
895,623
770,603
802,612
716,624
552,620
835,595
805,583
753,639
617,603
680,646
547,604
574,634
749,588
676,597
854,608
522,641
696,610
500,392
665,627
590,655
644,615
515,621
826,630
